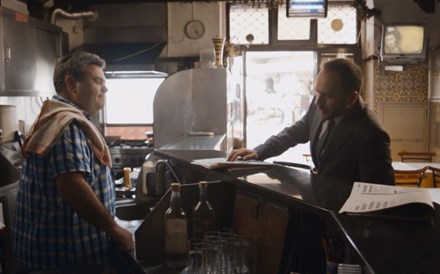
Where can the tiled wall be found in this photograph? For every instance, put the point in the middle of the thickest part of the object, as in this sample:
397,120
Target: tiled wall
407,86
435,129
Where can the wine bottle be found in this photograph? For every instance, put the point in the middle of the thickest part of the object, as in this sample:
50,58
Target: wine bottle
203,218
176,231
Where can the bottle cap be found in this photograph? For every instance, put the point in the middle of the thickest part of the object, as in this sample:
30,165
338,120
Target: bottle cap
175,186
203,184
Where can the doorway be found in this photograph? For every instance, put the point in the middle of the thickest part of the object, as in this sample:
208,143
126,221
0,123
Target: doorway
279,88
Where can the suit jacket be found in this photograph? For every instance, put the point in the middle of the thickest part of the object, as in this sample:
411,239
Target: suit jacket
358,148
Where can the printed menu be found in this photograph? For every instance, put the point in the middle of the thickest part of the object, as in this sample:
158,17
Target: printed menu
223,163
389,201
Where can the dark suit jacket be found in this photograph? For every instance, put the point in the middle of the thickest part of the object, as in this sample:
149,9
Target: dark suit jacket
357,150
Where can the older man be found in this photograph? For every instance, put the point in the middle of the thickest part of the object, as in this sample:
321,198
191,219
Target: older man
66,200
346,139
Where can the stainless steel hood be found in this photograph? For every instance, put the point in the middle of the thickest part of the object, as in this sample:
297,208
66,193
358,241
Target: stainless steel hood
134,74
128,56
130,37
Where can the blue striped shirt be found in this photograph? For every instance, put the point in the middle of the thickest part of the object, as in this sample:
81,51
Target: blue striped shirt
47,233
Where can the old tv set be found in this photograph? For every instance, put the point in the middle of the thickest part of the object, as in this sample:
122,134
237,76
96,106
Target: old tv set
307,8
403,43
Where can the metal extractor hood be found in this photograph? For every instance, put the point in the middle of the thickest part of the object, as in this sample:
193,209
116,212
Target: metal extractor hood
128,56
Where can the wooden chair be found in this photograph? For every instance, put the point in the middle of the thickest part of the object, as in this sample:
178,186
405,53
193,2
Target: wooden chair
406,156
435,175
409,177
308,157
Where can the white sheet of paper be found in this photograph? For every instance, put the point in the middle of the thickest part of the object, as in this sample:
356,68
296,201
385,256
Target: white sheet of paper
224,163
367,197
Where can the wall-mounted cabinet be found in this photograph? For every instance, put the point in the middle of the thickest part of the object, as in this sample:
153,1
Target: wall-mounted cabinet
30,49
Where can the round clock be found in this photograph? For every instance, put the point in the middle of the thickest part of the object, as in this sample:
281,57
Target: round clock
194,29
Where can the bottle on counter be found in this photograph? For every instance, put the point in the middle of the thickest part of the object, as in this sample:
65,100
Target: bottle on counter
203,215
127,178
176,231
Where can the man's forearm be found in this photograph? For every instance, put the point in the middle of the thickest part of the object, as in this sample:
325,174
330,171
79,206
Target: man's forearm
79,195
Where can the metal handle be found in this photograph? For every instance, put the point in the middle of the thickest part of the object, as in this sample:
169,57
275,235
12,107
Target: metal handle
8,54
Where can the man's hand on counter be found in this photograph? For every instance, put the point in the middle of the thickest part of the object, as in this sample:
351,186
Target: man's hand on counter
122,238
243,154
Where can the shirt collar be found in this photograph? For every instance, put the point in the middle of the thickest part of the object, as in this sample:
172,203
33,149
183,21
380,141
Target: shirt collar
337,120
64,100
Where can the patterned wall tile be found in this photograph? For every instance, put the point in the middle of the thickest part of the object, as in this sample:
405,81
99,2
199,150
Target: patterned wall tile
409,85
436,114
435,121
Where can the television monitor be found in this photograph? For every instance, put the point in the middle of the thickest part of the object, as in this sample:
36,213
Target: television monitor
307,8
403,43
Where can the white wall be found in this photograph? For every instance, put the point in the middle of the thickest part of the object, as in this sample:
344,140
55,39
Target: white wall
27,108
212,15
435,33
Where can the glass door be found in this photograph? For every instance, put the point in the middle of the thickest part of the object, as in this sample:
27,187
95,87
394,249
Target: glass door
279,89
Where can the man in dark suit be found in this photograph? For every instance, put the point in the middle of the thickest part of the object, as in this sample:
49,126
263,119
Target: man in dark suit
346,138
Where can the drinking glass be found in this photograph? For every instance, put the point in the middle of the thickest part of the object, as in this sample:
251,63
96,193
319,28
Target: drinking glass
195,256
246,257
212,238
230,252
224,230
210,234
207,257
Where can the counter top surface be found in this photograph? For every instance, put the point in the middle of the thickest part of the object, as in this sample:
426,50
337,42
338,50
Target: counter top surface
285,183
387,246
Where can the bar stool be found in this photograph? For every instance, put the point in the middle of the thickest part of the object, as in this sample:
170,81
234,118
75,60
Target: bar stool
308,157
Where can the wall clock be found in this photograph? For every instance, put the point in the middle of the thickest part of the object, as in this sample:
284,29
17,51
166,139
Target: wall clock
194,29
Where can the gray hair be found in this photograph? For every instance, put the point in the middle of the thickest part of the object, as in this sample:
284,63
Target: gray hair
73,64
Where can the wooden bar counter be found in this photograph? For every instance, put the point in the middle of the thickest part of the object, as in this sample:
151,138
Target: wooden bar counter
311,203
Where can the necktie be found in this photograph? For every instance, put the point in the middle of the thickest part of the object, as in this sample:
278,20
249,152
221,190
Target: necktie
320,145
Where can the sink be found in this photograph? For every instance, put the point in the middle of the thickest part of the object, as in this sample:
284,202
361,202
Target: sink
135,210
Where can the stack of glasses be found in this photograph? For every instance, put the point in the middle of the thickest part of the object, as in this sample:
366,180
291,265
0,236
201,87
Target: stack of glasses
221,252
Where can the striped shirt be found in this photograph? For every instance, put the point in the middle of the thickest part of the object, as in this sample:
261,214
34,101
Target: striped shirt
47,233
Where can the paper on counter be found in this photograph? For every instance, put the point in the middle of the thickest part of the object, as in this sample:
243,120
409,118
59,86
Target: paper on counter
435,194
367,197
218,163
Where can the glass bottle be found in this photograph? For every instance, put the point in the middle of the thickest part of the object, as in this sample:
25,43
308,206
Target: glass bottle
176,231
203,218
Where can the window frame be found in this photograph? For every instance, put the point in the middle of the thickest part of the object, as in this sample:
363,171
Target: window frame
299,45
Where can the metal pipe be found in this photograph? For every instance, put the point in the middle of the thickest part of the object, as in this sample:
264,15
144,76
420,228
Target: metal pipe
91,15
